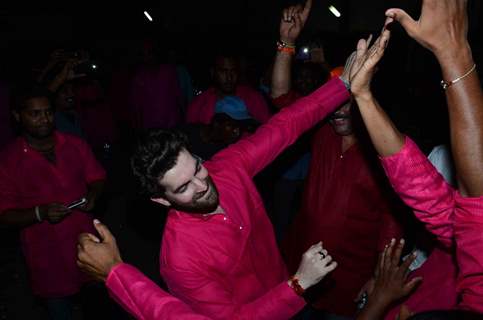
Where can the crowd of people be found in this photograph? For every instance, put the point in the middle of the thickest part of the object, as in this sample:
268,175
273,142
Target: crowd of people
296,198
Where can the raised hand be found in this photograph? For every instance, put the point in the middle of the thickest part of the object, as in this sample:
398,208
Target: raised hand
95,256
366,59
441,28
293,21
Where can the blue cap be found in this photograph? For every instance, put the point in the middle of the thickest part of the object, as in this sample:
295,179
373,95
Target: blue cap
234,107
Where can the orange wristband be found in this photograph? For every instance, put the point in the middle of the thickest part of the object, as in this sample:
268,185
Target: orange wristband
295,285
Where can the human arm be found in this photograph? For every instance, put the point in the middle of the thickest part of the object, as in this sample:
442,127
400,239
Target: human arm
469,251
291,24
442,28
411,174
210,293
128,286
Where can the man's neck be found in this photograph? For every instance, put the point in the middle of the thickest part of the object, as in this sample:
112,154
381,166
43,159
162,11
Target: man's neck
218,210
40,144
348,141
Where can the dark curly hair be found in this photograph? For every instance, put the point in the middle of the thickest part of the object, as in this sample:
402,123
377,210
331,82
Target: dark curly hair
156,153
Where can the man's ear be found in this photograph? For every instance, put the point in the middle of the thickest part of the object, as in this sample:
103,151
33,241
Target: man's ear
161,201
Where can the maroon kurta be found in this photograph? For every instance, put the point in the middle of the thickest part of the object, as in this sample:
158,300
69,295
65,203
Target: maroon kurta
345,204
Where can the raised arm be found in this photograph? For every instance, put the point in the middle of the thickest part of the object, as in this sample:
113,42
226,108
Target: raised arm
413,177
291,24
442,28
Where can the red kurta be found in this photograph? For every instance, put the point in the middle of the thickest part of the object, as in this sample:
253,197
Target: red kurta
228,266
27,180
345,204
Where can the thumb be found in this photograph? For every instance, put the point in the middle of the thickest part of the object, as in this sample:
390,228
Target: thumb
103,231
404,19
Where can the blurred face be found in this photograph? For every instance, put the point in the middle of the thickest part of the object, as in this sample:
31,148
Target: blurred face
341,120
226,75
188,186
306,81
37,118
65,98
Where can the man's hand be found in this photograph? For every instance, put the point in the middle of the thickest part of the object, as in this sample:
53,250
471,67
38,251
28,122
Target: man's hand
361,65
315,265
441,28
96,257
391,281
54,212
293,21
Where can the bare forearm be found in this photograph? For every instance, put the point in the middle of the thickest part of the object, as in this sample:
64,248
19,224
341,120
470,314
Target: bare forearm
465,105
384,135
281,75
19,217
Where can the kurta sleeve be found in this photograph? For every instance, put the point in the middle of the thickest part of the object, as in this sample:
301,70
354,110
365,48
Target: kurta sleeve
423,189
258,150
469,251
143,299
210,297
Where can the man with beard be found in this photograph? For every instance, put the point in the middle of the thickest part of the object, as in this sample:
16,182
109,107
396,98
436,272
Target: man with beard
41,172
218,252
344,203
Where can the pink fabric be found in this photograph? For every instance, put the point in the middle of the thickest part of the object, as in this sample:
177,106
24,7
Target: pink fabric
446,214
144,299
27,179
156,97
228,266
202,108
438,289
423,189
469,243
345,205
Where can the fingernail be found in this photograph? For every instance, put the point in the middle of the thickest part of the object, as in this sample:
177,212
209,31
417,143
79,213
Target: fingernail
402,241
393,241
96,221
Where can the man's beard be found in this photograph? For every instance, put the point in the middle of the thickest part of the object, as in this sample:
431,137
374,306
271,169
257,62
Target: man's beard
203,202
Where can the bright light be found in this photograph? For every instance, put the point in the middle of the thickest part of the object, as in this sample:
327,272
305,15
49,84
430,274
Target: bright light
306,50
334,11
94,66
148,16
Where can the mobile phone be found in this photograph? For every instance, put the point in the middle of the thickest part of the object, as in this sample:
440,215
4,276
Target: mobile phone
76,203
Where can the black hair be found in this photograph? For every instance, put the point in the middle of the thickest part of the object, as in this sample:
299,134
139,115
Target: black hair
22,93
156,153
447,315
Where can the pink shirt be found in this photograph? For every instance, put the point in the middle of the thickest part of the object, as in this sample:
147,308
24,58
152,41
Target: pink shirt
27,179
449,216
202,108
228,266
143,298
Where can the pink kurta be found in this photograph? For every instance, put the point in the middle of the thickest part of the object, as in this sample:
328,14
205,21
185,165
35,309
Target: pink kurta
202,108
27,179
228,265
452,218
143,298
